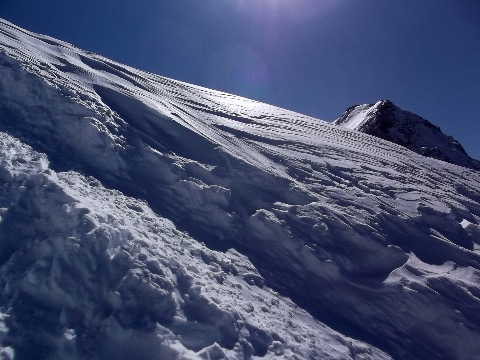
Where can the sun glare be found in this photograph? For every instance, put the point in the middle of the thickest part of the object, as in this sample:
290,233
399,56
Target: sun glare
293,10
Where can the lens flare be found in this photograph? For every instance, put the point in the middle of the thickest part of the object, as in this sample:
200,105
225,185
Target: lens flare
242,68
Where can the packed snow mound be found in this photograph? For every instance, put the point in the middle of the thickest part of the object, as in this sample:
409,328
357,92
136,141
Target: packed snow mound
146,218
386,121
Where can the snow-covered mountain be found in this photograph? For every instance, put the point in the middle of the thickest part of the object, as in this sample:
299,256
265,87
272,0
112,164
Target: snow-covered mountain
385,120
146,218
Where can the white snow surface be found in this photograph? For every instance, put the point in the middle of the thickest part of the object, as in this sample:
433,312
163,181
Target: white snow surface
146,218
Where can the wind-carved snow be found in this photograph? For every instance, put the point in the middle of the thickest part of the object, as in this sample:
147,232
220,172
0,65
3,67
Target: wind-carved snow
167,220
109,278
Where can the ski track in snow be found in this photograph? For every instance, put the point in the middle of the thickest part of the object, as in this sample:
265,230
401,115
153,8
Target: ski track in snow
144,217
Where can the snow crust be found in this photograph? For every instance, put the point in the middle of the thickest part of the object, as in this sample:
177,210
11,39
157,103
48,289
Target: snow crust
148,218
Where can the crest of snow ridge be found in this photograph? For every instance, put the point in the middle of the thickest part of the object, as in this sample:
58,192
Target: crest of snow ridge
147,218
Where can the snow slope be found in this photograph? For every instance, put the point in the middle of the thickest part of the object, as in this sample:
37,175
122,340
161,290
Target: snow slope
385,120
148,218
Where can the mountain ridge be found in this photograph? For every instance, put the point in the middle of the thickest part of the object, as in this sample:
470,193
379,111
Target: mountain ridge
387,121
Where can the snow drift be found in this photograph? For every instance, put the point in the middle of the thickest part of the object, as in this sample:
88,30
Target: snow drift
146,218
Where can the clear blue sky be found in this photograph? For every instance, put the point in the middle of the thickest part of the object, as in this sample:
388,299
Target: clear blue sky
312,56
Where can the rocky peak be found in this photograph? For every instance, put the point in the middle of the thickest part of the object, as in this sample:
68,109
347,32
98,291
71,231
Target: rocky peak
387,121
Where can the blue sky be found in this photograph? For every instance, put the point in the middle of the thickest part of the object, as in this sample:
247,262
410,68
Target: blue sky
316,57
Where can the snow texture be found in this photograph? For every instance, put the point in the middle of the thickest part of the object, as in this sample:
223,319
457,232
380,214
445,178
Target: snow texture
146,218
